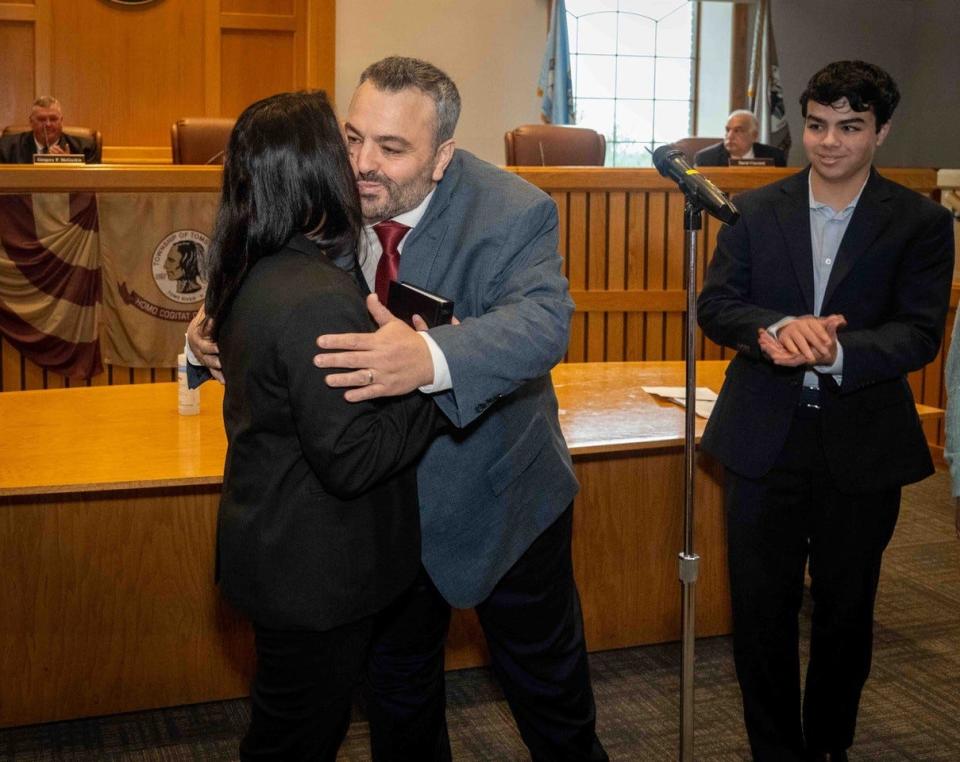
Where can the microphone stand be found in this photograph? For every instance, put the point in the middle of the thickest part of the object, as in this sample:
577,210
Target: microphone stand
689,561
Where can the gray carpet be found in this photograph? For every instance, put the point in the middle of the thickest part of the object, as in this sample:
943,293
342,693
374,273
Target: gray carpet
910,708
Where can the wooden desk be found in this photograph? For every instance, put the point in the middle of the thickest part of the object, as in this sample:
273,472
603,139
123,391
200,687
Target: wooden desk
108,501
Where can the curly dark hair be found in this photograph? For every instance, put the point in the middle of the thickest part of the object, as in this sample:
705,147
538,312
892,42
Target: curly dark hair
864,85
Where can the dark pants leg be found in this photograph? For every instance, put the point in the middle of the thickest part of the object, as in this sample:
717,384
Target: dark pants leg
302,690
773,523
849,536
534,629
404,689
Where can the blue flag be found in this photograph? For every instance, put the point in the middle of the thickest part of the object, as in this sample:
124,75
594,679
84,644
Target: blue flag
555,85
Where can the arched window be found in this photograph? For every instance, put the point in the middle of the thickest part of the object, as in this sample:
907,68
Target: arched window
633,68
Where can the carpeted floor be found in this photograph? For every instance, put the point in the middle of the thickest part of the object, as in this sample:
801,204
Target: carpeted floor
910,708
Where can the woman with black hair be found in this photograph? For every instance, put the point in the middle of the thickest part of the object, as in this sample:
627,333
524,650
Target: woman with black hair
318,527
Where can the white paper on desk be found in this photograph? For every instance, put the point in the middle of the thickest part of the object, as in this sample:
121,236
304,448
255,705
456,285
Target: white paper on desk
704,397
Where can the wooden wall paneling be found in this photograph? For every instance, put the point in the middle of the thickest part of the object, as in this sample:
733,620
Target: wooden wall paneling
129,72
708,241
211,60
242,84
634,529
53,380
577,212
11,362
32,376
141,375
43,52
674,322
119,375
616,256
17,41
321,45
560,199
656,267
636,271
266,7
597,266
108,558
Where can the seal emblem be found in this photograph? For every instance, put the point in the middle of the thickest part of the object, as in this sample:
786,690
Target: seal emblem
177,268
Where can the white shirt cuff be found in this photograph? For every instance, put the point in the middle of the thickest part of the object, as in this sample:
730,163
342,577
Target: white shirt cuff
836,368
441,371
772,329
191,357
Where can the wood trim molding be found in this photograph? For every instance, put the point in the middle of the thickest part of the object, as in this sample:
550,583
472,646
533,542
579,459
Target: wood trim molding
257,21
17,12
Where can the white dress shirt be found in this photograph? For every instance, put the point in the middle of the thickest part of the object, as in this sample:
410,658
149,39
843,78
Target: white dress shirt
369,255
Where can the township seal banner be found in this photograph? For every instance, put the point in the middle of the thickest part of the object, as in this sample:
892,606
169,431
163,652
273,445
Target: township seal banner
50,280
153,249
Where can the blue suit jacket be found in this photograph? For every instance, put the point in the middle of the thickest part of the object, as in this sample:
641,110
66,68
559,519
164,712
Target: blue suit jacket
488,240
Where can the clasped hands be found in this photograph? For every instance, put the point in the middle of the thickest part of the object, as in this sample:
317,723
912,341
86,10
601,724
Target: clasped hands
807,340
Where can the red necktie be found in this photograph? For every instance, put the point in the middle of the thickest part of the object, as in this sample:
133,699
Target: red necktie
390,234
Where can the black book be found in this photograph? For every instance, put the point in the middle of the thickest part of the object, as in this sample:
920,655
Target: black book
405,301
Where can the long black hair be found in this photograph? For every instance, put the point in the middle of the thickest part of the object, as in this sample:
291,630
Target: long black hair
285,171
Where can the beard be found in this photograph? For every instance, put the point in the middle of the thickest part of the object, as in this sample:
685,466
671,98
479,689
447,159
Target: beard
396,198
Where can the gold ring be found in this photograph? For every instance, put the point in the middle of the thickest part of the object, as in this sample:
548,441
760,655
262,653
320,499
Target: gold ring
369,377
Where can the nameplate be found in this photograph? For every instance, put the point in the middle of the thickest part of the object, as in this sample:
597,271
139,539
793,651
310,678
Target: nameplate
757,162
59,158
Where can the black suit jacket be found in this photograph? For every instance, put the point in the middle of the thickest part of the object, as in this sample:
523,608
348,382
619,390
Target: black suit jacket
319,521
19,148
718,156
891,280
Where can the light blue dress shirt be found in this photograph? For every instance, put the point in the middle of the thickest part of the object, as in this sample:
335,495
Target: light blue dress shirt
827,228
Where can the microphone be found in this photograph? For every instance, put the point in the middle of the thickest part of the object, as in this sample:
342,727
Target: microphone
671,162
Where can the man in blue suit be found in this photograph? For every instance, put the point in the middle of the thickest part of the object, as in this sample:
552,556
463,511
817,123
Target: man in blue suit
496,496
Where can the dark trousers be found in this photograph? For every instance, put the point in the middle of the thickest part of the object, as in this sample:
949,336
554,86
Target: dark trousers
302,691
534,630
774,524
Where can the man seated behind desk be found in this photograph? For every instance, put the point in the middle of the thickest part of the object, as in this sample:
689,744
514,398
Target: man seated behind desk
47,136
739,142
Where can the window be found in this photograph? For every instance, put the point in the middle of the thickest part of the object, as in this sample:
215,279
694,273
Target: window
633,70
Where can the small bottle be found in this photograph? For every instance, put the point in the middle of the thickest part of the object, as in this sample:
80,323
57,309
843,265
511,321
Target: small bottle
189,399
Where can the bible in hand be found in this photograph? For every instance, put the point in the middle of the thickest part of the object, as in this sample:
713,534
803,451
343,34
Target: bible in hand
405,301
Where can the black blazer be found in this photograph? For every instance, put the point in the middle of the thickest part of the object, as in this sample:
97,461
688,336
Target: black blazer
319,521
891,281
717,156
19,148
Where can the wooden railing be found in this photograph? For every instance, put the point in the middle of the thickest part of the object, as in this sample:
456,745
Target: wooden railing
621,237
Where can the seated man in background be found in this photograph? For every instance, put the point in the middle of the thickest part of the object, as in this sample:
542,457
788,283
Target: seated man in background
46,120
739,142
